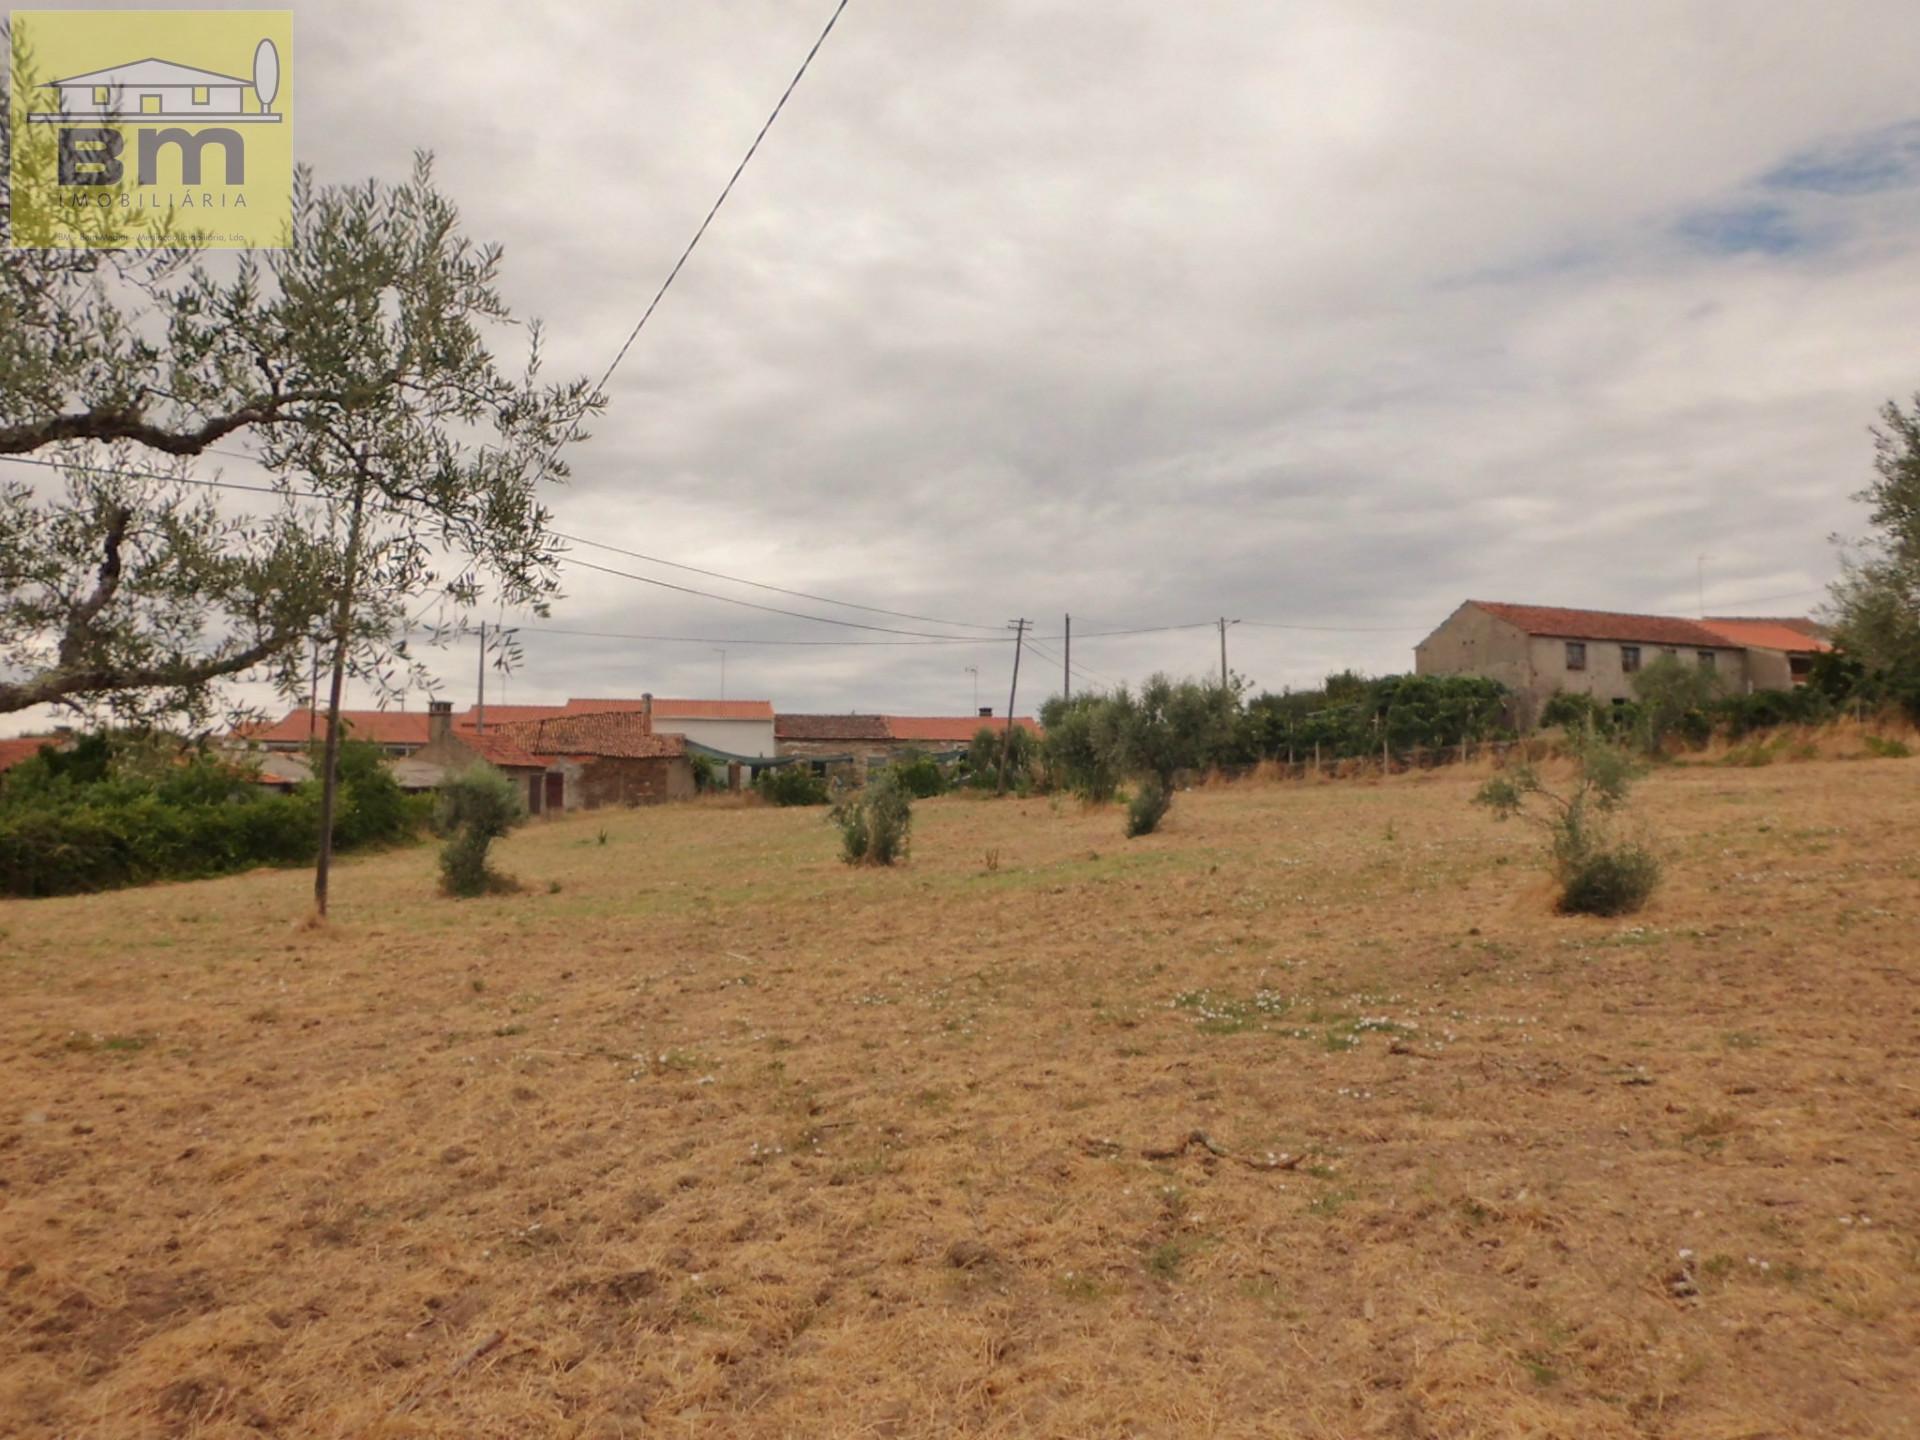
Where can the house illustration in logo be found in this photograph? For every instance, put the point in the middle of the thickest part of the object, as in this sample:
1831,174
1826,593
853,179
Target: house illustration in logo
161,89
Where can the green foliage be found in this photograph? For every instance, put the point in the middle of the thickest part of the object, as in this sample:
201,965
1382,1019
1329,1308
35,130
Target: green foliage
794,784
1148,807
1743,715
1594,868
1676,701
1613,881
876,823
473,809
705,775
357,364
1079,753
1350,716
981,766
118,811
1876,601
920,774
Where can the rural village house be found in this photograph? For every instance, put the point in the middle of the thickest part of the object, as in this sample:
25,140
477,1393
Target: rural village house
862,741
1539,650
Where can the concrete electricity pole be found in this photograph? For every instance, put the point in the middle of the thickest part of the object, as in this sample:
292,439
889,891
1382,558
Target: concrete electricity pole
1019,628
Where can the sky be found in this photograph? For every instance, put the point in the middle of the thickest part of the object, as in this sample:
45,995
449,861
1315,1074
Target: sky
1319,317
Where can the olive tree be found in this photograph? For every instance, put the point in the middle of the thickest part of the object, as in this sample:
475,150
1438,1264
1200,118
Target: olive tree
1876,601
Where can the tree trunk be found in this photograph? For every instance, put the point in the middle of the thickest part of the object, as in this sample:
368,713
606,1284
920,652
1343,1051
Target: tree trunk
330,772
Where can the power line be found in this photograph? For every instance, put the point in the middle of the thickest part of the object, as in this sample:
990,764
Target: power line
725,191
737,640
756,605
763,585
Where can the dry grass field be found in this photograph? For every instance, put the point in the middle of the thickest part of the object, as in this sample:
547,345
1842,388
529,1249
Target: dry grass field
705,1134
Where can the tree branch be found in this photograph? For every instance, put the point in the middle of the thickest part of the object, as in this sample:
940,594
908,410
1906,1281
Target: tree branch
131,424
64,683
80,618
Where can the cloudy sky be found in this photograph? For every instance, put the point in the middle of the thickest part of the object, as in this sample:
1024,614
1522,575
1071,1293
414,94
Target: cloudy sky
1321,316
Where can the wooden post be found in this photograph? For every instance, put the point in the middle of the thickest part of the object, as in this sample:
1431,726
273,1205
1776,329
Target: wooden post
480,687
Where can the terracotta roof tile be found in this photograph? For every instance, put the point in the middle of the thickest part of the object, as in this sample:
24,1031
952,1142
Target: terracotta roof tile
665,708
1784,635
382,727
952,729
830,727
1563,624
497,747
24,747
618,735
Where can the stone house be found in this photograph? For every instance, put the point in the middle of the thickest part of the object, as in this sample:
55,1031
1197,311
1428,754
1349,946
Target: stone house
450,751
1537,651
606,759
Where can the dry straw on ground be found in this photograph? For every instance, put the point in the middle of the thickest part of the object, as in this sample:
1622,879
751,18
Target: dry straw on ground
724,1138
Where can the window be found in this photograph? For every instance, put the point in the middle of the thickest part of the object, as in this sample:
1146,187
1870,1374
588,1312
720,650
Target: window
1629,658
1707,658
149,104
200,94
102,96
1576,655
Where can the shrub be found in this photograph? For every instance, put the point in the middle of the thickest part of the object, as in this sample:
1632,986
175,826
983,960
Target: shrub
1676,700
875,824
1594,870
792,785
982,762
921,775
1883,748
1614,881
1148,807
705,777
475,807
373,809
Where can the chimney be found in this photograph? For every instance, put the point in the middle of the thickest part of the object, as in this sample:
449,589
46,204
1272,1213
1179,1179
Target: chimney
986,712
646,712
439,720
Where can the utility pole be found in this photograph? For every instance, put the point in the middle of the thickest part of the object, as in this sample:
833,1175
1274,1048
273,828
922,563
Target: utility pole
974,670
723,671
480,689
1066,663
1019,628
1224,622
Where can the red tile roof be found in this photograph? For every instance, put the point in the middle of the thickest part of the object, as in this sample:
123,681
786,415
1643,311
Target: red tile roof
501,748
830,727
954,729
24,747
670,709
1562,624
620,734
1787,635
502,714
382,727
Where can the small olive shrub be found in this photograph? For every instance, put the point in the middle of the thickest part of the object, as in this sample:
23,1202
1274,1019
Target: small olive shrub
876,822
1598,872
475,808
1148,807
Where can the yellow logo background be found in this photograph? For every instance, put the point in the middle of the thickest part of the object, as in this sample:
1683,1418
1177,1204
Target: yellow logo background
149,57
